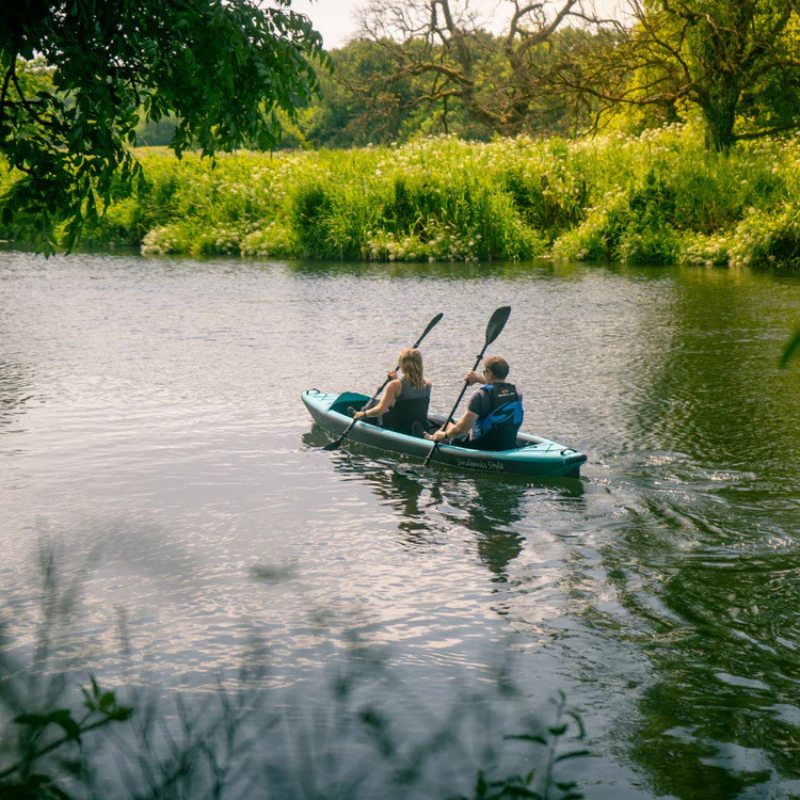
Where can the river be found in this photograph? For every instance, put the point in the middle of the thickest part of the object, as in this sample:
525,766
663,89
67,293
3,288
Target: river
153,439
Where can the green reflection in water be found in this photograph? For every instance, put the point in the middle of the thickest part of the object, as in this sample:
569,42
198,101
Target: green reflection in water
699,436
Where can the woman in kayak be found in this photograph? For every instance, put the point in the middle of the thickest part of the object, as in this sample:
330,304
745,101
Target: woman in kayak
406,399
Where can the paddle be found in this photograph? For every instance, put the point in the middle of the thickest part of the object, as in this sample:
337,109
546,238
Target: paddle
493,330
335,445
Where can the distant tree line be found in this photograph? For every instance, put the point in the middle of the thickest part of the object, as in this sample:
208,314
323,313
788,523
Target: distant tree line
432,66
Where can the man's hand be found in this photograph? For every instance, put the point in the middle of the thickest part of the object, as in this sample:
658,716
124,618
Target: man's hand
473,377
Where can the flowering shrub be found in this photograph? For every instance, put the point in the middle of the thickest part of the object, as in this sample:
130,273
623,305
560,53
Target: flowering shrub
274,239
160,241
654,198
768,240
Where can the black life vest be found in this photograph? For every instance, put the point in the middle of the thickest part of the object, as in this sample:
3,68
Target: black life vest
410,407
498,429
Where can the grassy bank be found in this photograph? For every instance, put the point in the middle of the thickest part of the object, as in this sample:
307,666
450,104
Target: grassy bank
656,198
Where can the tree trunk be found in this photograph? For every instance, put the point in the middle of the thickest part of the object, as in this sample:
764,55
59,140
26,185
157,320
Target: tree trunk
719,113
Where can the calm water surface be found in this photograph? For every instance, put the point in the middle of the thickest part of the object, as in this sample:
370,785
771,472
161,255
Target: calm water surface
151,428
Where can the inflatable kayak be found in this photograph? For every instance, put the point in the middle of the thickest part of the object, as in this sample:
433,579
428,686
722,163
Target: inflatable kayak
533,456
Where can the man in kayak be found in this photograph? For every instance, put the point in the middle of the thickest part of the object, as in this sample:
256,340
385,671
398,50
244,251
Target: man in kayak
406,399
494,413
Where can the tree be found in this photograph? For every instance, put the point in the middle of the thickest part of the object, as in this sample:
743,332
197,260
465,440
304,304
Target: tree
224,68
456,61
365,100
737,61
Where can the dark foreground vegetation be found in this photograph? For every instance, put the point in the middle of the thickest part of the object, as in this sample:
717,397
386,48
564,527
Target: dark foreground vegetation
357,732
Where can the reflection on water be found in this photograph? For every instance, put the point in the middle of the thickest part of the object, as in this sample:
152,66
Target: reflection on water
491,507
15,390
659,591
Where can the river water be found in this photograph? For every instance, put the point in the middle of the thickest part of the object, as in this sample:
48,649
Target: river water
153,438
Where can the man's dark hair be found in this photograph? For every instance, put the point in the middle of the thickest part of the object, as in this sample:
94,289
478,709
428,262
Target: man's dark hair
497,366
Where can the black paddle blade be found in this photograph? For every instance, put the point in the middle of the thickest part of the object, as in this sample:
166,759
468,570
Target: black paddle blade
335,445
434,321
496,324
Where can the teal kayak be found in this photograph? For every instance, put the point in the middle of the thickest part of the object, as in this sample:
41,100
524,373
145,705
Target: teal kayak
533,456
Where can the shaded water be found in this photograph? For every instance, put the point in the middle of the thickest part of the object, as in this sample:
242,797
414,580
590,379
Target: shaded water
151,426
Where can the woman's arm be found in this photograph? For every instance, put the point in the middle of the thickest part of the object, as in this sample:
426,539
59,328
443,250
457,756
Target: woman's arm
389,396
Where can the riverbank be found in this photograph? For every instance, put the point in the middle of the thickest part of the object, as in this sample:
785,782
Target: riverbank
655,198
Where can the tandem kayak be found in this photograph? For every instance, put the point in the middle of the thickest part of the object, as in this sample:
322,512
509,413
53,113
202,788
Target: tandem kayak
533,456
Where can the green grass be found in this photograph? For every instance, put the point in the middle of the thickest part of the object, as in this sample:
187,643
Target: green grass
655,198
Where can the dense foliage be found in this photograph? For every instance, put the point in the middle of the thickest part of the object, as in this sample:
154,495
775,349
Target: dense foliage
655,198
430,66
67,120
738,63
83,82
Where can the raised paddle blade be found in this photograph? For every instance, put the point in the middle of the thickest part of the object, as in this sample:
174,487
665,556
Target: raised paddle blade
493,330
496,324
434,321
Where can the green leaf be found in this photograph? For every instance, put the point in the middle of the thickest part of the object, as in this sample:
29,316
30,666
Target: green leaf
521,791
572,754
34,721
791,350
70,727
121,713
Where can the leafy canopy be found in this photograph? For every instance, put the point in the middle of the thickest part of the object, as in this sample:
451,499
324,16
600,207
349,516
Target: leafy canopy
75,76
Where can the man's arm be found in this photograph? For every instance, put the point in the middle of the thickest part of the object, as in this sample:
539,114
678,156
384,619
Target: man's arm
454,431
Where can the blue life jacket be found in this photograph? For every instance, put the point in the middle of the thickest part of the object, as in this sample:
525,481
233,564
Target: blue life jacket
498,429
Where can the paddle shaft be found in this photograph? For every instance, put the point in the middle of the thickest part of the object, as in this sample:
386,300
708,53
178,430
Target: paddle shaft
453,411
493,330
374,397
461,395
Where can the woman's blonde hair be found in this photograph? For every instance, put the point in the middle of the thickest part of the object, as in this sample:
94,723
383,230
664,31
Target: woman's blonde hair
410,362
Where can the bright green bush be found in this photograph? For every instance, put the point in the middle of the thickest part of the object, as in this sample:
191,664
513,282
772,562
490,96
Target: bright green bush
657,198
768,240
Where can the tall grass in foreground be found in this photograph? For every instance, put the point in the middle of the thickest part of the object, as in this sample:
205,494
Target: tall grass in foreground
364,735
655,198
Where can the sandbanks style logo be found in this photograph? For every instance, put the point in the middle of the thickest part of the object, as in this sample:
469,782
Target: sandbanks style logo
490,466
